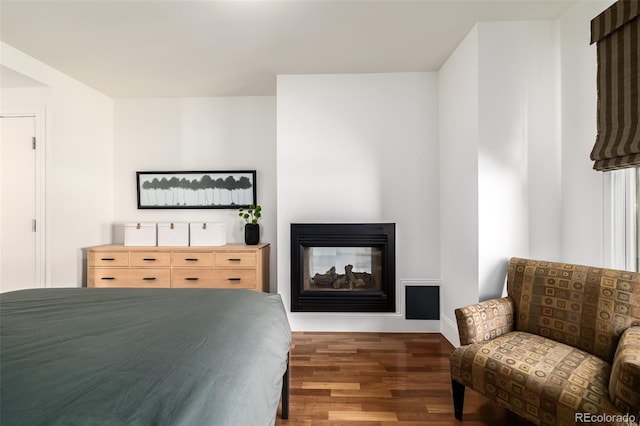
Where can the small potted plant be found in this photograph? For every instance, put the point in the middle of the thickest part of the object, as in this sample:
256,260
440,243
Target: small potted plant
251,216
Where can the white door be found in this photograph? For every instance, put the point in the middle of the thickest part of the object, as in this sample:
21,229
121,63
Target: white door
17,203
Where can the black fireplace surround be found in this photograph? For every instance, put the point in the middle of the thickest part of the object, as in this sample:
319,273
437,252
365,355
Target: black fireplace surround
362,280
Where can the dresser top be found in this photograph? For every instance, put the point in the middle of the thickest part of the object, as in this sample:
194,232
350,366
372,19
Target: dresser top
226,247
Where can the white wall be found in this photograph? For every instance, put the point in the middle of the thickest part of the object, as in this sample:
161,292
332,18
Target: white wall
499,159
227,133
79,160
519,153
458,139
583,199
360,148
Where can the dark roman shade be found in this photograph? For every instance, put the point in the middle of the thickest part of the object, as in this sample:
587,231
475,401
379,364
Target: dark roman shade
616,33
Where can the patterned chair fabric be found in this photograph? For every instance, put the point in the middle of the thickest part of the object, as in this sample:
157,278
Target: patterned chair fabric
561,349
624,386
485,320
581,306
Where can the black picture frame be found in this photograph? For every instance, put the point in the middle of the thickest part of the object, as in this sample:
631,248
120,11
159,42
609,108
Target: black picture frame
208,189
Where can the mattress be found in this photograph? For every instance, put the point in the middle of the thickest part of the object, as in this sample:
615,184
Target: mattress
80,356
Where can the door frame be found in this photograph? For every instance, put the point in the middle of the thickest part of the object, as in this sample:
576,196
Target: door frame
39,115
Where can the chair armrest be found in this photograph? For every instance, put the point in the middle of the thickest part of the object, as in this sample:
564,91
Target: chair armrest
485,320
624,383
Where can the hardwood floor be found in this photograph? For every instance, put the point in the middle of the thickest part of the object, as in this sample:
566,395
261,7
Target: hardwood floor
379,379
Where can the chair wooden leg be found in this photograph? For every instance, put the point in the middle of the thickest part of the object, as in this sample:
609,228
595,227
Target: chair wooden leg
458,398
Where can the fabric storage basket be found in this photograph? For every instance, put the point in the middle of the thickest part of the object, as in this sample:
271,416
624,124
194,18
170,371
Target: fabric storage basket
172,234
140,234
208,234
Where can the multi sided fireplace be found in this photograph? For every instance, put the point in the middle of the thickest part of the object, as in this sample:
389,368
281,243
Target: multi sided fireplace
346,267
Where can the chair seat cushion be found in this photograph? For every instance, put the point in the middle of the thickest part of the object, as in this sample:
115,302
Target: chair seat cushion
542,380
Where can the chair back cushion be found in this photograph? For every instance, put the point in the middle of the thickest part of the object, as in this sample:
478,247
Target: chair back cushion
582,306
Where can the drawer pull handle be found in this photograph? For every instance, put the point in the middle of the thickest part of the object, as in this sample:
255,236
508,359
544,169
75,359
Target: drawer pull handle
191,259
234,259
149,259
149,278
108,258
191,279
235,279
107,278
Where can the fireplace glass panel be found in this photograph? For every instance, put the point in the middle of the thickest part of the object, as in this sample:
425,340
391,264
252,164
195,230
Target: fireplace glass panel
342,268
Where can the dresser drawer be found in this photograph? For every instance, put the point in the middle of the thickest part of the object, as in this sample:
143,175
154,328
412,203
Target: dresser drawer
106,258
235,260
151,259
192,259
234,278
211,278
191,278
134,277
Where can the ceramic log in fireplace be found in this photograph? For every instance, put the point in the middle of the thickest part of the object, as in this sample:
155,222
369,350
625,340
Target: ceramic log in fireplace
343,267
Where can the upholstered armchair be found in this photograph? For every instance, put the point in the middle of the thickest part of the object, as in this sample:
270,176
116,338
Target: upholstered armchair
563,348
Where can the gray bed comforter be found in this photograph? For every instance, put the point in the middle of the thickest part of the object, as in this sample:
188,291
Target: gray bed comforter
141,357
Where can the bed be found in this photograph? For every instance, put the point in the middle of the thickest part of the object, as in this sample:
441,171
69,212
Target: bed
84,356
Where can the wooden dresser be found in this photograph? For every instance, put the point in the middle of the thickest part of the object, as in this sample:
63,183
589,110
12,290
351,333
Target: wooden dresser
228,266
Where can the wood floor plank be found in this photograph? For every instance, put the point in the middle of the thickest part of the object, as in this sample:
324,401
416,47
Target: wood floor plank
380,379
386,416
361,393
331,385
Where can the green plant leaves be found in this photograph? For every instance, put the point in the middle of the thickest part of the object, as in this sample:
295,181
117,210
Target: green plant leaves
252,214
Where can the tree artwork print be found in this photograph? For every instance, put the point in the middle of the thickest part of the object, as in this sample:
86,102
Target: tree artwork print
196,190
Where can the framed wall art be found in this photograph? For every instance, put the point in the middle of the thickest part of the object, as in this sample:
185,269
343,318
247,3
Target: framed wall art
196,189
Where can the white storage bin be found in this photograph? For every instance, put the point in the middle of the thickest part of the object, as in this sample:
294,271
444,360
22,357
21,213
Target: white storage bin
140,234
207,234
172,234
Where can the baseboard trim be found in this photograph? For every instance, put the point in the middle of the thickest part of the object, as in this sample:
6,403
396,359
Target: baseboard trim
449,329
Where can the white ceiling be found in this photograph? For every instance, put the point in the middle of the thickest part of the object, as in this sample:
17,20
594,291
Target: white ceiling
149,48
